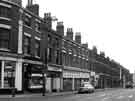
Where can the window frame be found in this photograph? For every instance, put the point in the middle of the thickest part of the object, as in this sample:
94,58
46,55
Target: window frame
28,45
4,38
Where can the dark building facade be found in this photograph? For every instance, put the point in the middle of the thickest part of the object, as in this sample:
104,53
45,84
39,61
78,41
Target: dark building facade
107,73
34,56
75,61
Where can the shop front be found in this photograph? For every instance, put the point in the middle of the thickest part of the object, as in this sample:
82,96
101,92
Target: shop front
32,77
73,79
10,74
7,75
53,80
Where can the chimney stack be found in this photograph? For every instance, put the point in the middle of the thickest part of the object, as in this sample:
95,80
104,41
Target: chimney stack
60,28
19,2
94,49
48,20
78,37
102,54
70,33
85,45
34,8
30,2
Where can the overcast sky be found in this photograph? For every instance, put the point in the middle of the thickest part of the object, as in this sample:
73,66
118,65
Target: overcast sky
107,24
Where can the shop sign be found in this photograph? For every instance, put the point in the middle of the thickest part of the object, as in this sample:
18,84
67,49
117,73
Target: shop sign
54,69
92,73
8,67
68,74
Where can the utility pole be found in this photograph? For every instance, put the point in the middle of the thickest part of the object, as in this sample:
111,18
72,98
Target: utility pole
120,77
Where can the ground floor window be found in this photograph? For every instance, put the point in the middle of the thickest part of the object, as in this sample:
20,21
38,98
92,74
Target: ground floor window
0,72
77,83
67,84
33,77
7,74
36,82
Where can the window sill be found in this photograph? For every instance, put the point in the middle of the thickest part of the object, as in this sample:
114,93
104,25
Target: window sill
27,26
27,55
4,49
5,18
38,31
37,57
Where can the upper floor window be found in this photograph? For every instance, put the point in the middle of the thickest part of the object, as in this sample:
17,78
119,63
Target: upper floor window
56,54
37,48
27,43
37,26
57,43
49,39
49,55
4,38
4,11
27,20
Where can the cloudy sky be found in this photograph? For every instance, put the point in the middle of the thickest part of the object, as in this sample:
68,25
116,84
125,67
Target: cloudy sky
107,24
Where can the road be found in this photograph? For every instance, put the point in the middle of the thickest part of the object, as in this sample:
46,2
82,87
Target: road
110,95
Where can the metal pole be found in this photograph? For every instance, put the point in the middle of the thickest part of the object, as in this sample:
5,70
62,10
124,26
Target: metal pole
13,87
44,81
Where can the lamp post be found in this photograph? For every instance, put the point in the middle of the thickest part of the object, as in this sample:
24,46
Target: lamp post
13,86
44,81
120,77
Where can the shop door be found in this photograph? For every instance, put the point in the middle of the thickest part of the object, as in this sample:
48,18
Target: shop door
26,77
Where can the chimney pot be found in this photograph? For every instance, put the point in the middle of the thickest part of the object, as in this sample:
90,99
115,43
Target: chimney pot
60,28
60,23
48,19
78,37
70,33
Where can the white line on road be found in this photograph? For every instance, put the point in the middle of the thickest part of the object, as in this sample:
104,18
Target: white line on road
102,95
106,98
120,97
130,96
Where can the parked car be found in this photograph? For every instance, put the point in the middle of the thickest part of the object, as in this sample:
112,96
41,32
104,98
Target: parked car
86,87
129,85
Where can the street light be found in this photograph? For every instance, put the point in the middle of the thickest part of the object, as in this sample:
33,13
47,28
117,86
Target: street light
44,81
13,86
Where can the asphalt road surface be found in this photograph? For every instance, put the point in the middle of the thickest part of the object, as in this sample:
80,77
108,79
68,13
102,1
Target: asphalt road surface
111,95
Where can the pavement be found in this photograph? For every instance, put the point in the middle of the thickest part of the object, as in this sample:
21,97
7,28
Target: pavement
36,95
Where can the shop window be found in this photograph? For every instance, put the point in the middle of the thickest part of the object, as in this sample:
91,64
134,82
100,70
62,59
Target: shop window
4,11
4,38
27,20
37,48
35,82
0,72
27,43
67,84
9,74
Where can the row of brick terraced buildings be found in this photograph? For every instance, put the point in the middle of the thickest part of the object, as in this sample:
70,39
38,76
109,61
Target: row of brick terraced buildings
33,56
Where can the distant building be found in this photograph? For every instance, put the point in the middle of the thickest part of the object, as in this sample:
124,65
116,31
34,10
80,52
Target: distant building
134,77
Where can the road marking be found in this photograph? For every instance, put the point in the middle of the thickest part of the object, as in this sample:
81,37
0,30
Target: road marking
130,96
120,97
105,98
102,95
